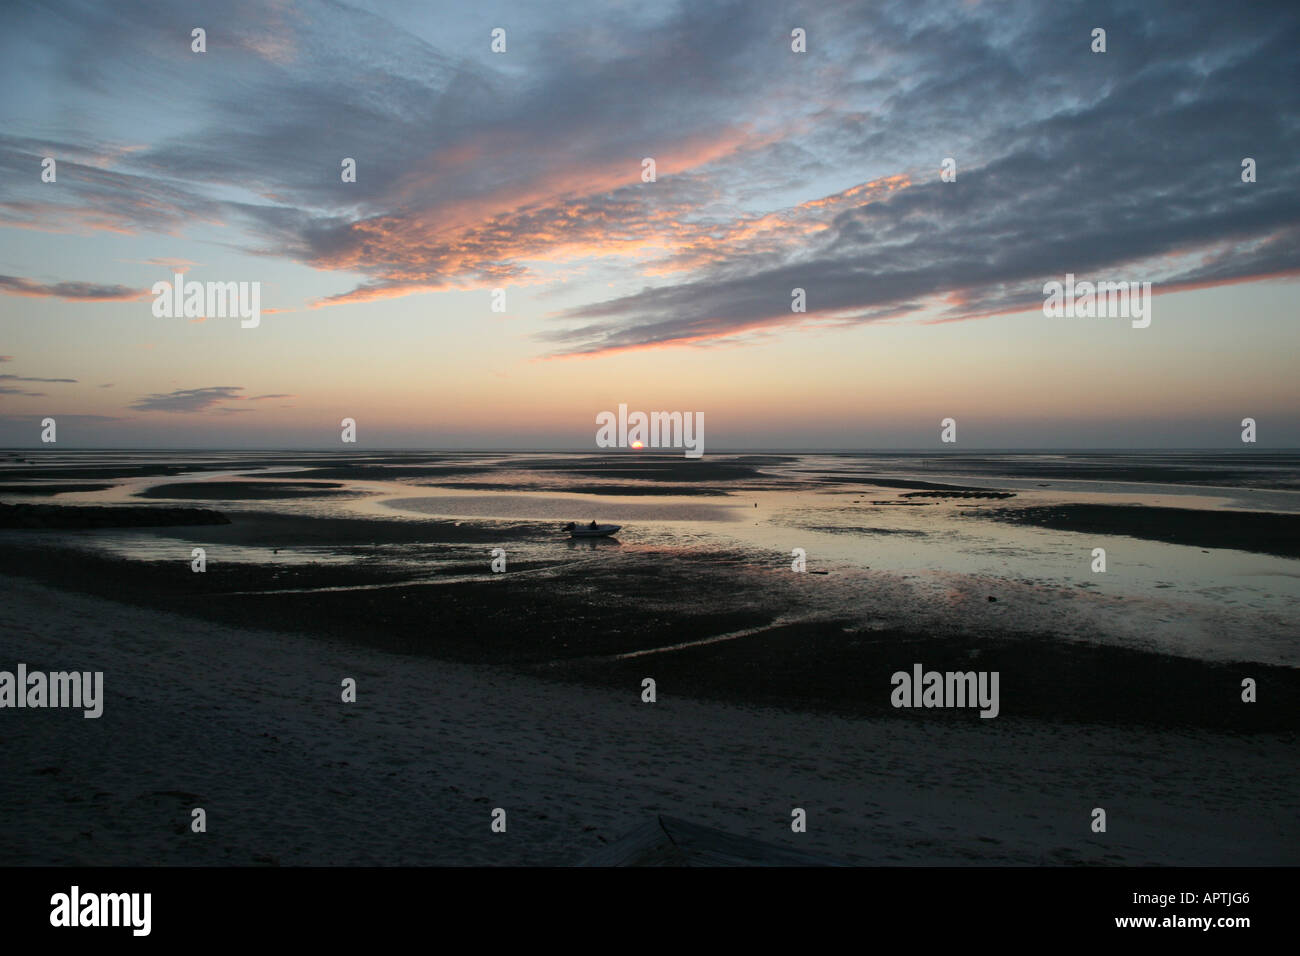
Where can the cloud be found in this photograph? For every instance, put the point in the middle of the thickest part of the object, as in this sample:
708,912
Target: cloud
775,170
480,173
1073,189
80,291
188,399
210,398
63,418
171,265
12,390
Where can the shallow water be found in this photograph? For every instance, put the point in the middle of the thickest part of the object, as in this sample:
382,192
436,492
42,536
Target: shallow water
1216,602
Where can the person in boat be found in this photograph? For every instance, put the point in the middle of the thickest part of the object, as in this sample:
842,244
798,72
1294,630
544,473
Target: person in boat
593,526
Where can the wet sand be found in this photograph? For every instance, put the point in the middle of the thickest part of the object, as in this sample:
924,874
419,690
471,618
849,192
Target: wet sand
247,490
562,617
36,517
579,489
1247,469
248,724
1261,532
50,489
522,689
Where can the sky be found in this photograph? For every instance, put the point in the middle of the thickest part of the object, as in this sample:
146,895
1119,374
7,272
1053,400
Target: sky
517,177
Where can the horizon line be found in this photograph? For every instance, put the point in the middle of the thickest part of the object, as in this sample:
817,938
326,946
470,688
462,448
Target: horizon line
670,452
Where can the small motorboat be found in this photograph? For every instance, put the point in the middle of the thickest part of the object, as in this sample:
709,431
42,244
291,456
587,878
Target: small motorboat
591,531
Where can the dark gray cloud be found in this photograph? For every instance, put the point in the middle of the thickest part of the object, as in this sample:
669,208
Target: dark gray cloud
1149,168
189,399
444,140
26,378
83,291
470,166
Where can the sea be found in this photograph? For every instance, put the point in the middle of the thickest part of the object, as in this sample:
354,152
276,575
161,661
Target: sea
936,530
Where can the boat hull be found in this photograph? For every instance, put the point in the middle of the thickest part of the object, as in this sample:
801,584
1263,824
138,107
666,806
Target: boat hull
600,531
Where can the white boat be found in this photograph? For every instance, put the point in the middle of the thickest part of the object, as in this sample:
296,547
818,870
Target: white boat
587,531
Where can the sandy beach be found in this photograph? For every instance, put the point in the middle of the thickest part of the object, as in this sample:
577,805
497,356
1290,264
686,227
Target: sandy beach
521,690
249,725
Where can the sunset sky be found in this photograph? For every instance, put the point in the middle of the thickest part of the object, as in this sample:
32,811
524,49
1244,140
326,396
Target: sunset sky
522,171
